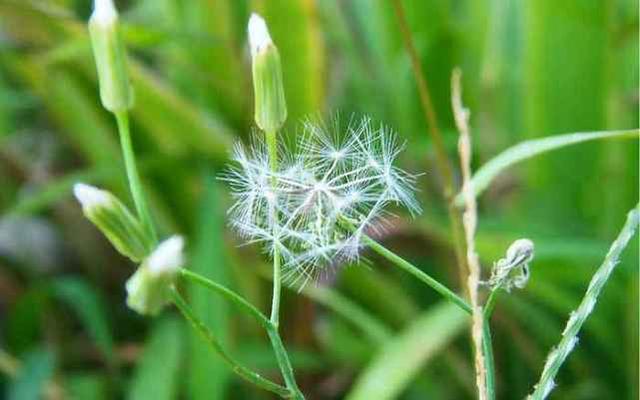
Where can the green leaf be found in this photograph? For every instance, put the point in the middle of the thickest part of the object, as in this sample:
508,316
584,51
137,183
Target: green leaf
88,306
86,386
530,148
158,372
400,360
36,371
208,374
176,125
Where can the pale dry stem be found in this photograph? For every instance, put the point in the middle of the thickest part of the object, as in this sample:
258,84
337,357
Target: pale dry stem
469,222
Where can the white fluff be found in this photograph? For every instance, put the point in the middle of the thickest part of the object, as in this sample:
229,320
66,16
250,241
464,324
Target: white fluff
327,179
90,196
168,257
258,34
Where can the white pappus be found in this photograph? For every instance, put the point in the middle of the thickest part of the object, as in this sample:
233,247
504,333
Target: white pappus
329,189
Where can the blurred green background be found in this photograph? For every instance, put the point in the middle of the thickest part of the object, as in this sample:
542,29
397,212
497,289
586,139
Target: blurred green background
531,69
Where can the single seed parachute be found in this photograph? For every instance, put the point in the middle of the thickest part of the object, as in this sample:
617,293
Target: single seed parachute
326,193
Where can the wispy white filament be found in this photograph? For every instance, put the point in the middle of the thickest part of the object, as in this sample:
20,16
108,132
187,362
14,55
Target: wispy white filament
328,191
258,34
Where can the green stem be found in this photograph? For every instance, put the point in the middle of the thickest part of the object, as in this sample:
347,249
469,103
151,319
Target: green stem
447,294
272,146
488,360
491,303
283,362
226,292
276,342
242,371
413,270
133,177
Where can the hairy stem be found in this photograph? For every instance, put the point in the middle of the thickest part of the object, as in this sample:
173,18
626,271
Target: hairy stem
207,335
283,361
274,337
577,318
470,223
133,177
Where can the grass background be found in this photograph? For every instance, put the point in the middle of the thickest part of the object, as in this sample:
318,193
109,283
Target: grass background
531,69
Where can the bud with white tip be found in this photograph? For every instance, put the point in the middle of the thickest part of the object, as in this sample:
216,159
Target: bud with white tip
114,220
270,103
147,289
513,270
110,56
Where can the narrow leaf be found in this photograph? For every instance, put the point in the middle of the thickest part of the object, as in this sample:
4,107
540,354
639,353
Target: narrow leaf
207,372
158,373
530,148
400,360
87,304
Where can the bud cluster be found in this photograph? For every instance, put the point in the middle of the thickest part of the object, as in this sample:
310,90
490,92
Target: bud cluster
147,288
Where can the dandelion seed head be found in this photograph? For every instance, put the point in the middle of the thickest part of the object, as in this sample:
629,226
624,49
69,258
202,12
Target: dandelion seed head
328,191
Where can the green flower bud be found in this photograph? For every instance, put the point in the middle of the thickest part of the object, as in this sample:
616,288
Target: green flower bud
148,288
270,104
109,52
114,220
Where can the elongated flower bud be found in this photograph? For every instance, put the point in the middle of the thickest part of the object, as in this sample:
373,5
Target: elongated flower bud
270,104
114,220
147,289
109,52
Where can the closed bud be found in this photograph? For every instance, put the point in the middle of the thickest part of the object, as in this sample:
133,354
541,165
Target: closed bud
513,270
114,220
148,288
110,56
270,104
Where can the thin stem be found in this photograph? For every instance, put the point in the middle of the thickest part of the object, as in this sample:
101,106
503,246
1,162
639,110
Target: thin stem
469,223
488,360
491,303
206,333
274,337
449,295
569,336
444,165
413,270
226,292
133,177
272,146
283,362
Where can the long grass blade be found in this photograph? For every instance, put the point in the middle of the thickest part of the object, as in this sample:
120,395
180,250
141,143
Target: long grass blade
403,357
531,148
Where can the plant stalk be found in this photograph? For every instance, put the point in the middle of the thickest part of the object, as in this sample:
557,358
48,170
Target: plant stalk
227,293
272,146
133,176
276,342
206,333
416,272
447,294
